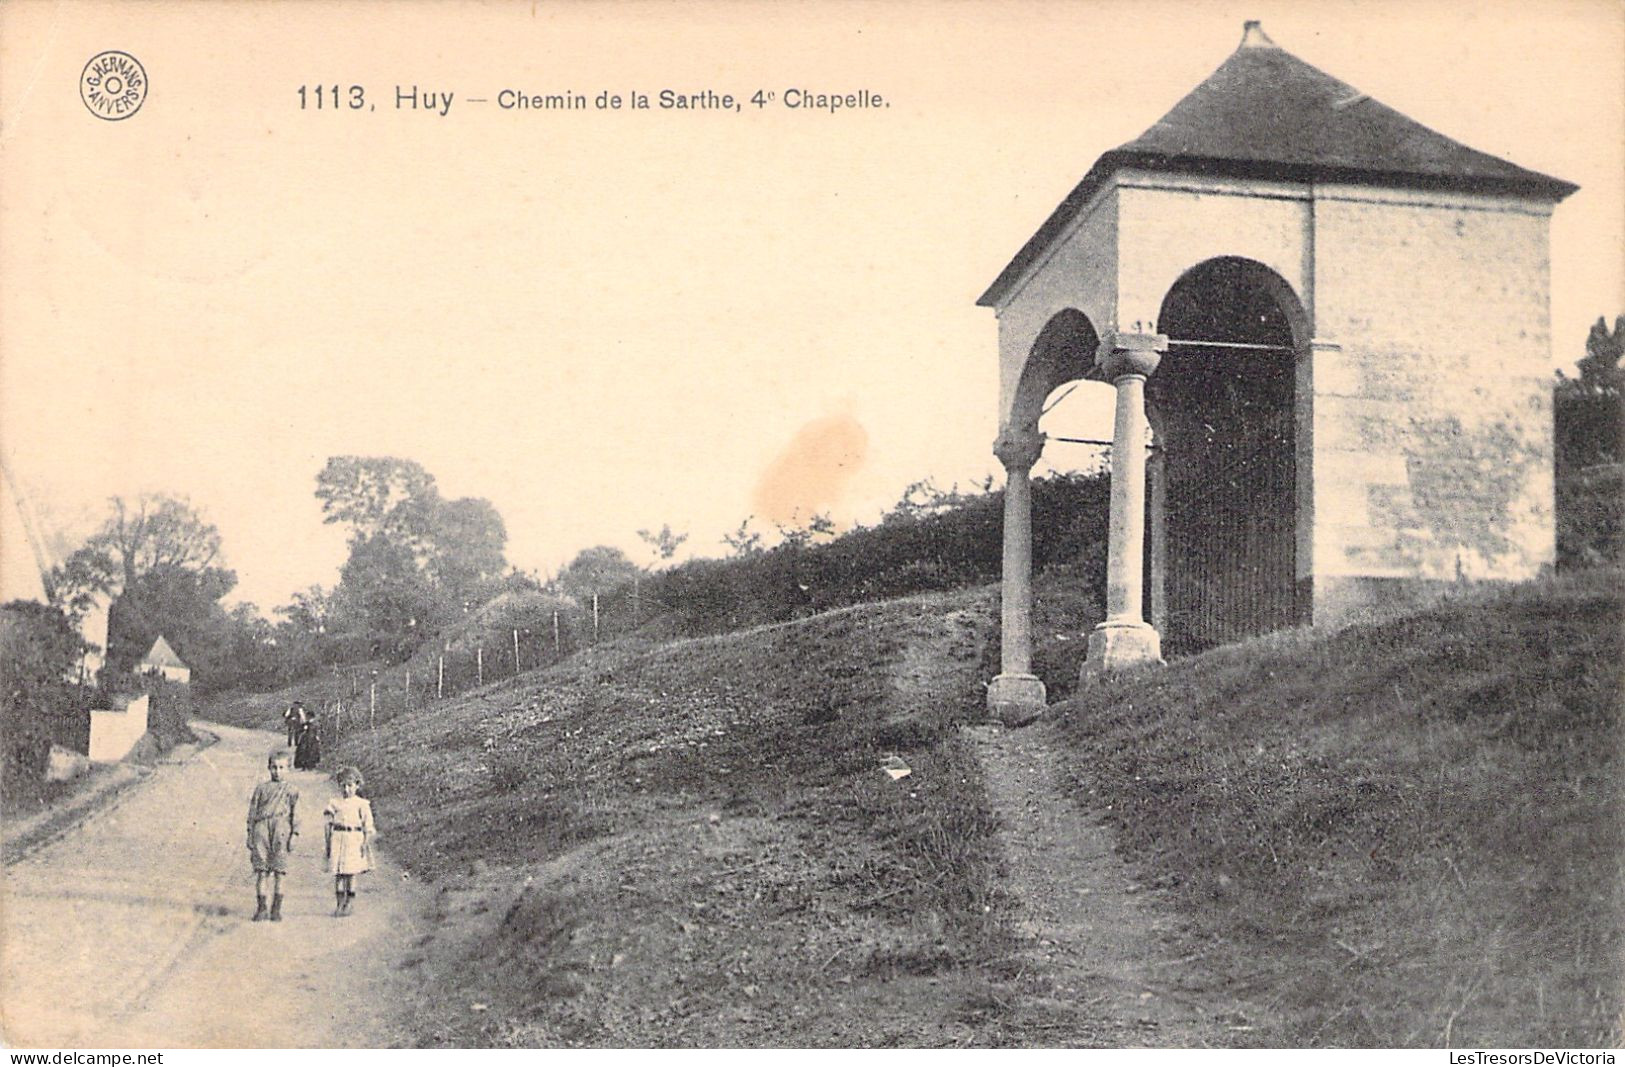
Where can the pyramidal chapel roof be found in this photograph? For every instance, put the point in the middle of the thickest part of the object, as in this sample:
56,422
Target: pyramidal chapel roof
161,655
1265,113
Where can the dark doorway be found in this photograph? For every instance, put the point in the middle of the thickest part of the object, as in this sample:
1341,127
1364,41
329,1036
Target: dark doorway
1223,404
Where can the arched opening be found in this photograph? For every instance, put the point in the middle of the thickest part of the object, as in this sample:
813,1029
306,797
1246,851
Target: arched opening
1224,504
1064,351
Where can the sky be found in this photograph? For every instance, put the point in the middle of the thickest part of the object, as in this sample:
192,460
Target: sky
606,320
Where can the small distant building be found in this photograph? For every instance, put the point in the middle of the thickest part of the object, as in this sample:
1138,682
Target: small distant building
162,661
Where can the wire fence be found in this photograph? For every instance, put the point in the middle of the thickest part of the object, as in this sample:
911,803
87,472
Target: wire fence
365,697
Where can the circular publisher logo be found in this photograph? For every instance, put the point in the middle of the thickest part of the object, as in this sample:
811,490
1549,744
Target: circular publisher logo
113,85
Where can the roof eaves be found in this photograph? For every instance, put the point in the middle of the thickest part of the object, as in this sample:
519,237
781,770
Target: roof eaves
1052,228
1528,183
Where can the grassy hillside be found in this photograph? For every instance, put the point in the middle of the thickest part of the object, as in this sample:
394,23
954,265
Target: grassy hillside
696,843
1401,834
1397,834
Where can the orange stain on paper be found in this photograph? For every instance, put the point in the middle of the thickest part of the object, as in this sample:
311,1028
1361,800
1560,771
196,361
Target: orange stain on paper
811,473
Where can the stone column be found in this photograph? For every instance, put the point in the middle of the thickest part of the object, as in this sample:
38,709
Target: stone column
1157,482
1125,639
1016,696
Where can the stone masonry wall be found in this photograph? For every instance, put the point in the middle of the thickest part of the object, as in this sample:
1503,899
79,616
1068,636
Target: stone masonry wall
1431,382
1171,223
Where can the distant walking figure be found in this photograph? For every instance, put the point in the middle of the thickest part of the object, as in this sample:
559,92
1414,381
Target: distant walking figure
307,752
273,823
349,838
293,718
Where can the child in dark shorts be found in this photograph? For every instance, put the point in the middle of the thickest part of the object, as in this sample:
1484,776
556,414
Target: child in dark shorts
273,823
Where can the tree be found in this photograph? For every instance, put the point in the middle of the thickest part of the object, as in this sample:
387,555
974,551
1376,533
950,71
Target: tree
596,570
310,612
1590,432
744,541
155,557
152,532
465,542
1590,409
664,544
39,652
382,588
416,559
1599,367
180,604
371,493
39,649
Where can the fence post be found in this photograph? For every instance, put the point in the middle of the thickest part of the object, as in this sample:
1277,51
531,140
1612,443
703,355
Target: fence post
440,684
479,665
555,633
516,653
374,711
595,618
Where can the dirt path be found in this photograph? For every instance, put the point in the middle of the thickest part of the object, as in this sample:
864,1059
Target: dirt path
132,930
1098,967
1096,939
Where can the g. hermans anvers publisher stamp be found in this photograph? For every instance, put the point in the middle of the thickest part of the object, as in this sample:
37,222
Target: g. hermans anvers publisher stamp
113,85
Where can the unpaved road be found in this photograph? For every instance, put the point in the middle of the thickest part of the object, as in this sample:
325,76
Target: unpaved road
133,929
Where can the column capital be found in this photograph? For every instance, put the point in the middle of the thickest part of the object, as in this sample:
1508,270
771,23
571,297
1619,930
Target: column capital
1122,353
1018,449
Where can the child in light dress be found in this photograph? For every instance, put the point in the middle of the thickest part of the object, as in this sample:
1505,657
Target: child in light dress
349,838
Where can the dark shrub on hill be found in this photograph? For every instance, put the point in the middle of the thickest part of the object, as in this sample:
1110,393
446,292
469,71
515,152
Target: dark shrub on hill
1589,416
39,654
908,553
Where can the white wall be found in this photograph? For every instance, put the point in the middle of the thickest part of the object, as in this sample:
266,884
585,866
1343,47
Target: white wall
114,733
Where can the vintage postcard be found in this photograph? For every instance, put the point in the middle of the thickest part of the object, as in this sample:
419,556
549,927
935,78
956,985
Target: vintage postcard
743,524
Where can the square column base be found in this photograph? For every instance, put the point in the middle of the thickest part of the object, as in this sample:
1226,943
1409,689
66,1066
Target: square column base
1016,699
1121,646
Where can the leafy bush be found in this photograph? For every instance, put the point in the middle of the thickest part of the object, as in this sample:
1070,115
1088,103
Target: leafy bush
40,653
912,551
1590,437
